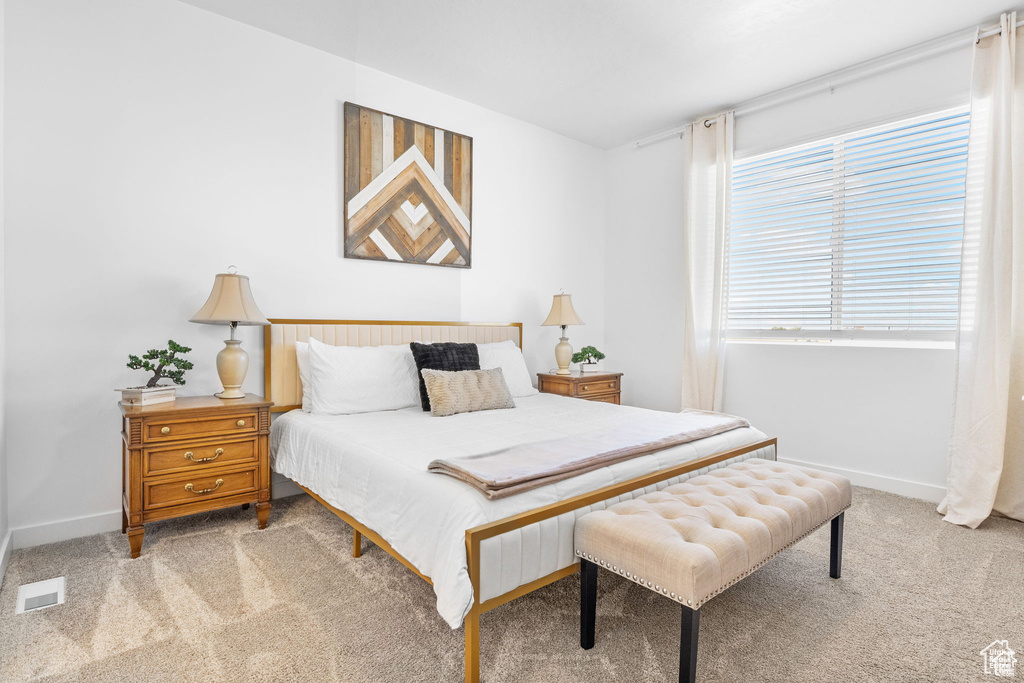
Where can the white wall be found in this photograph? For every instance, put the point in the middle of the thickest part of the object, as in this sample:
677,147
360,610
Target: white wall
5,545
880,415
152,144
883,414
551,212
644,282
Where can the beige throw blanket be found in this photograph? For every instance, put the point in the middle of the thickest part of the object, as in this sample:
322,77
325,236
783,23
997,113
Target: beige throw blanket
528,466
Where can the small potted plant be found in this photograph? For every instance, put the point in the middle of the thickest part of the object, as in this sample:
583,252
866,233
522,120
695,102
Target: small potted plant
164,364
588,355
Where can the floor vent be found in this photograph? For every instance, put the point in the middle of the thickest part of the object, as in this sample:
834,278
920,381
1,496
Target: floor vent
40,595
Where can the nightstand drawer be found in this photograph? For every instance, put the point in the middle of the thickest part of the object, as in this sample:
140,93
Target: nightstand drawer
159,430
555,386
601,386
199,487
197,457
610,398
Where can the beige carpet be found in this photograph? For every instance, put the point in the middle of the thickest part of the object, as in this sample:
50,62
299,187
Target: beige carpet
213,599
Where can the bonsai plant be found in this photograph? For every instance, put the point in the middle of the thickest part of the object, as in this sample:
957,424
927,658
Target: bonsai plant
588,355
164,364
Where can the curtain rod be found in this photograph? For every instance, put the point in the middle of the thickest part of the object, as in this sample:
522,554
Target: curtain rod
996,30
829,82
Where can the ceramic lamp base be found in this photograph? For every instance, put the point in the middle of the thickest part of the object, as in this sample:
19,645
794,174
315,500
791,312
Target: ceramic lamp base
232,365
563,356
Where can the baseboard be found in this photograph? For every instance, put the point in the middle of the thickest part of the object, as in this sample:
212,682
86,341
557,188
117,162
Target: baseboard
64,529
6,548
902,487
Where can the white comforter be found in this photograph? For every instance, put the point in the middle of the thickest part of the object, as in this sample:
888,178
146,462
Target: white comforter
374,467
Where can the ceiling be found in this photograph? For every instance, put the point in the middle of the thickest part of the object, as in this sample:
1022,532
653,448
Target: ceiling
606,72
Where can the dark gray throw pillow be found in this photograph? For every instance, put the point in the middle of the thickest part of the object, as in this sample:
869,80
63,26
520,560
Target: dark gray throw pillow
450,356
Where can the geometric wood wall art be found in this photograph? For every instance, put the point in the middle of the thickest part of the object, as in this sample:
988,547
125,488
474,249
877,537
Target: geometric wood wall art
408,190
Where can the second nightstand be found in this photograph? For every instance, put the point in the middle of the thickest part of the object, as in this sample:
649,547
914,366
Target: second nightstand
592,386
194,454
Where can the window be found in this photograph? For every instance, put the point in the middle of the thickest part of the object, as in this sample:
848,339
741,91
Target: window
854,237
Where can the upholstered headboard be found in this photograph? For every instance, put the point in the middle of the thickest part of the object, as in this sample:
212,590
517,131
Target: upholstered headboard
281,372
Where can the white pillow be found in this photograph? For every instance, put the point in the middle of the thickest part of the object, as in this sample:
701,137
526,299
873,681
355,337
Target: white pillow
507,356
302,360
361,379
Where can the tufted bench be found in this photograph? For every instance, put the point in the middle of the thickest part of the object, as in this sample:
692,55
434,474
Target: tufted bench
693,540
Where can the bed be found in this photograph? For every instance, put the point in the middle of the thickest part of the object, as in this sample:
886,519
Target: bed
370,470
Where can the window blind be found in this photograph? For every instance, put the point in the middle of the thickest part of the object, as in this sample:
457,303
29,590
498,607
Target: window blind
857,236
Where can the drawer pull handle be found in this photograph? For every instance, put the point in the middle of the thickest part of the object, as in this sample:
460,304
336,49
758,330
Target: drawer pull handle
189,455
240,423
585,387
165,430
217,485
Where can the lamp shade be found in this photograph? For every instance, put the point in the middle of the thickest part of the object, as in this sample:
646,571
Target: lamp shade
230,302
562,312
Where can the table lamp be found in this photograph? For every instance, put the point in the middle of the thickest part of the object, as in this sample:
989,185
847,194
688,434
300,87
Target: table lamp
231,303
563,314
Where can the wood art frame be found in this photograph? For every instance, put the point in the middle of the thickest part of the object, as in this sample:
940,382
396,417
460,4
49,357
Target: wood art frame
476,535
408,190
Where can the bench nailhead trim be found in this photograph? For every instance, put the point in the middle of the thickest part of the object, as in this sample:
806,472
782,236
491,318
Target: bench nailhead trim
679,599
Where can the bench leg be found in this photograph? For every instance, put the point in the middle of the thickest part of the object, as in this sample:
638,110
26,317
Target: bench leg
688,645
588,603
835,561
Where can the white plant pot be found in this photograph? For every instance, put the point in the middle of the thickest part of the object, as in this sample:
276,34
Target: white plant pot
140,396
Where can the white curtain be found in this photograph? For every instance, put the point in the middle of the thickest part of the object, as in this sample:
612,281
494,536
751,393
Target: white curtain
986,450
706,196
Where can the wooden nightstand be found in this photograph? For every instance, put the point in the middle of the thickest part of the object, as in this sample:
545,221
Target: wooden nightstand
194,454
593,386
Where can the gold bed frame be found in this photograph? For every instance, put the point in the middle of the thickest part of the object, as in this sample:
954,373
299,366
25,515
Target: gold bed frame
476,535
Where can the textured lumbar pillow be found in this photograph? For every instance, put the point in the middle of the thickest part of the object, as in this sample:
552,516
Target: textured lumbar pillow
443,356
466,391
